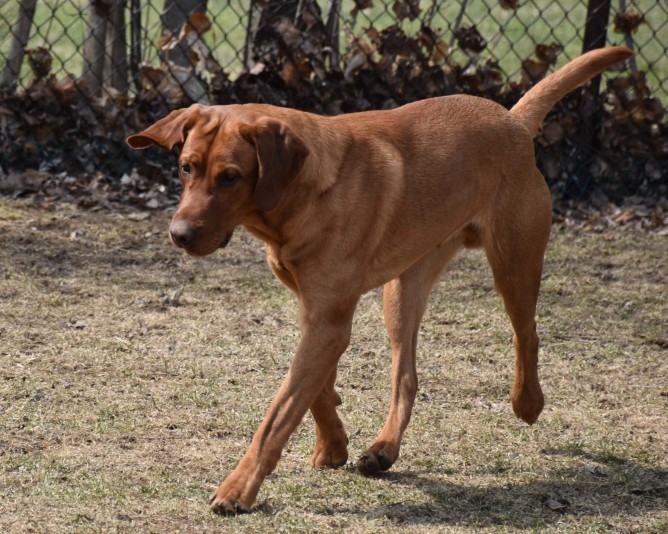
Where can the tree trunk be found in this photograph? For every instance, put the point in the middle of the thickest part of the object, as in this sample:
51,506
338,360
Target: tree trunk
117,63
595,35
135,41
94,46
333,31
12,70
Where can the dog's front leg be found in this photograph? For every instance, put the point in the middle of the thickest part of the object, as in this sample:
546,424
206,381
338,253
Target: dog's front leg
325,335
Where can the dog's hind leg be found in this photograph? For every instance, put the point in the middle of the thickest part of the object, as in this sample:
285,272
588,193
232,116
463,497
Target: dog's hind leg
404,302
331,443
515,243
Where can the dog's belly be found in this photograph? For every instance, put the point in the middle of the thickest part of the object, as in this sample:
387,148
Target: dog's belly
434,213
401,249
395,259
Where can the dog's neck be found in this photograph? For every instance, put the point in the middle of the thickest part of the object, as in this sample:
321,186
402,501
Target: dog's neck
327,143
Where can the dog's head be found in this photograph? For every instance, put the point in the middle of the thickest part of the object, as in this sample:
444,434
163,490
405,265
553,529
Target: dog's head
232,162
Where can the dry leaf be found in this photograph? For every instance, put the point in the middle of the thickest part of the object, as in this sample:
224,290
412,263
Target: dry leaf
534,70
552,133
360,5
595,470
441,51
628,22
548,53
469,38
508,4
139,216
409,9
555,505
198,23
40,61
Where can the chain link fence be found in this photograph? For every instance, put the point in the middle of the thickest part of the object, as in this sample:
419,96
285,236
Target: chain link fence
119,64
108,42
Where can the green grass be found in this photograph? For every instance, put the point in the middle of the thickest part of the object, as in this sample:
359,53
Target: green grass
61,26
120,411
511,34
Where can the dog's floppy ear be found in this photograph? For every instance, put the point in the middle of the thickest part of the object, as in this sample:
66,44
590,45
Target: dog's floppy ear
280,156
167,132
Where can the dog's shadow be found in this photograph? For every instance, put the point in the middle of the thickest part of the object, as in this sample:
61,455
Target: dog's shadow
621,487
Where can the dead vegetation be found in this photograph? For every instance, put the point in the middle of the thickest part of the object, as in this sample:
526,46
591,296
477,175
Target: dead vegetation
132,378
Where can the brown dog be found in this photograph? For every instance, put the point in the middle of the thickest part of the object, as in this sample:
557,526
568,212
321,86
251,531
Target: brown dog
347,203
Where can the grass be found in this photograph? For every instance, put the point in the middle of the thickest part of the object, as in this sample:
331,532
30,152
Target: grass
511,34
122,407
61,26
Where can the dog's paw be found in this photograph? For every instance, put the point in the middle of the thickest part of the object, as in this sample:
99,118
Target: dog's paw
330,454
221,506
229,498
374,460
328,458
528,403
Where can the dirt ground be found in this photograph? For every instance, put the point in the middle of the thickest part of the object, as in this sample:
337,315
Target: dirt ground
132,378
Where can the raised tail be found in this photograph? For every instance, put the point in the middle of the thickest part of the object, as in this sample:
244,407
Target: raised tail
534,106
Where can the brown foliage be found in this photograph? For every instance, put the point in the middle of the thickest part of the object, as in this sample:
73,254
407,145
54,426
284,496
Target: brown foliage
628,21
61,128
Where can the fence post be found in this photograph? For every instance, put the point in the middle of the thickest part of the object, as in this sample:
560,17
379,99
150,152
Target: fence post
596,26
12,70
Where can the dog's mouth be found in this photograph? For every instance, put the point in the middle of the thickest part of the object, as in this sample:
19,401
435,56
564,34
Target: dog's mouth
203,249
225,241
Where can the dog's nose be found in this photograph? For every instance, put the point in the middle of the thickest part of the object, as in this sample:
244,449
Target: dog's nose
182,233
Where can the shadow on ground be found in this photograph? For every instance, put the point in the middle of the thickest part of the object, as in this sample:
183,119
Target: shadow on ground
620,487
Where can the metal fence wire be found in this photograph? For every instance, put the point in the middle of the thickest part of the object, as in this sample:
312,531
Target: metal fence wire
150,56
108,43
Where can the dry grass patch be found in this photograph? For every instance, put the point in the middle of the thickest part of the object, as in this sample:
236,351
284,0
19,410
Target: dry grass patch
132,378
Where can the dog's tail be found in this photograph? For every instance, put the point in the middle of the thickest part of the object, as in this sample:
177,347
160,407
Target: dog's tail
533,106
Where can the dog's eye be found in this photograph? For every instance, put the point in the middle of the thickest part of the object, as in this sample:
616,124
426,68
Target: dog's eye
228,178
185,168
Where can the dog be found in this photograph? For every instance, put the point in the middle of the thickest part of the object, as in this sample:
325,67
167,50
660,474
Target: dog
348,203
